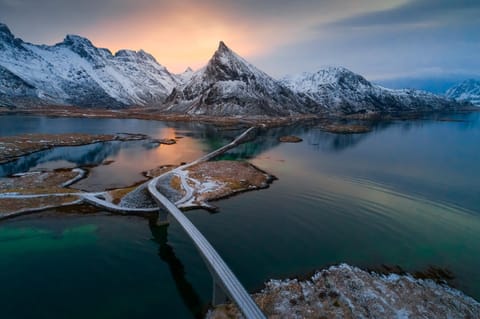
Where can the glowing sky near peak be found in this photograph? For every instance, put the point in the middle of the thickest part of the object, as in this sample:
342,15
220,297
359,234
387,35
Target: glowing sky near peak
380,39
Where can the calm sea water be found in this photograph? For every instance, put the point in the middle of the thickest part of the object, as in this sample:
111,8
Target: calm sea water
406,194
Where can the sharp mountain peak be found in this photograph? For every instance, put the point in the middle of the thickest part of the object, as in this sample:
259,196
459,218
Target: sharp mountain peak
223,47
73,39
227,86
4,29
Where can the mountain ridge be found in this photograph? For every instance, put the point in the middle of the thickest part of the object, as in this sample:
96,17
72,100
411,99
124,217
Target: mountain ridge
229,85
468,90
76,72
344,91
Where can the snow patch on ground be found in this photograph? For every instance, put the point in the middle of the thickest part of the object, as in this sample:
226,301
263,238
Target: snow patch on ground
345,291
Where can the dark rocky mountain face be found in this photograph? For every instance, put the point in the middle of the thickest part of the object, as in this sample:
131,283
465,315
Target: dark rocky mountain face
14,90
230,86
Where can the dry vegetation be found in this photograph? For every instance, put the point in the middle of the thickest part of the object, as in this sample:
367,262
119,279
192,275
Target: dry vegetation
35,184
159,170
117,194
38,182
176,184
348,292
345,128
145,113
290,139
230,177
13,147
11,205
166,141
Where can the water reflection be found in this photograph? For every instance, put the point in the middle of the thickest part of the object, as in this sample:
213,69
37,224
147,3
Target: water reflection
189,296
85,155
194,139
404,194
311,133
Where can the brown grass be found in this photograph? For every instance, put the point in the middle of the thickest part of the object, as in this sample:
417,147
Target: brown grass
118,194
9,205
35,184
13,147
159,170
38,183
176,183
233,177
290,139
345,128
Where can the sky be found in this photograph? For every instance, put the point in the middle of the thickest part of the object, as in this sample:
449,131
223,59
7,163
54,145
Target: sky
385,40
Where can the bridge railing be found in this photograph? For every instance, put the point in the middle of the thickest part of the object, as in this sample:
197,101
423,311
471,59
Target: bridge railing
225,283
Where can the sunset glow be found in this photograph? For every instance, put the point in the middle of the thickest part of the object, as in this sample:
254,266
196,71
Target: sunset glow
187,36
280,37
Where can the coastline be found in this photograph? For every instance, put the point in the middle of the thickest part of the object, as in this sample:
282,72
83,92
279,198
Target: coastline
146,113
345,291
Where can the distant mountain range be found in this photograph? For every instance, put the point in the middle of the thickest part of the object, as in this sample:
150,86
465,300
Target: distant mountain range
468,90
75,72
343,91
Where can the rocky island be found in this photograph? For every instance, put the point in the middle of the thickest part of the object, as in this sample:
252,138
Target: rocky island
14,147
348,292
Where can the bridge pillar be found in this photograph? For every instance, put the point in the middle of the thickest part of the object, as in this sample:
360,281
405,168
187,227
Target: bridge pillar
162,217
218,297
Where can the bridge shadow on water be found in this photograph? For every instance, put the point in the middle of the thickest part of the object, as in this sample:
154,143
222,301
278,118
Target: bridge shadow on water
185,289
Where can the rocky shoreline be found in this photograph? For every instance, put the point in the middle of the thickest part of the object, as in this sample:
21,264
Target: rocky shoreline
15,147
188,186
329,122
345,291
337,292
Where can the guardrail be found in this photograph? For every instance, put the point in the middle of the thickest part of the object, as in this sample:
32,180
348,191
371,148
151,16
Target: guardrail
225,283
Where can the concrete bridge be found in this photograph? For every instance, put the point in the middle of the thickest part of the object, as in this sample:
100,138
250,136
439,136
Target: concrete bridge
225,283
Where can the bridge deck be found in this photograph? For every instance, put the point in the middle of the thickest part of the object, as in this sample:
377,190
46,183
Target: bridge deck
223,277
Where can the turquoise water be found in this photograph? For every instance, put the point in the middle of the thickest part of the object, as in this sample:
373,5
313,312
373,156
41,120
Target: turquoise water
406,194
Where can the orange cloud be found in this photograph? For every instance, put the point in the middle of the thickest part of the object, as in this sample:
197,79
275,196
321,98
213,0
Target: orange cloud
186,32
185,35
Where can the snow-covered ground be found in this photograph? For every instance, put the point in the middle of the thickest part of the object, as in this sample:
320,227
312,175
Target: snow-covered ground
348,292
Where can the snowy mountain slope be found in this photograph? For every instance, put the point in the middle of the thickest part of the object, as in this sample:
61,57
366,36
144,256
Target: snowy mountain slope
13,86
342,91
76,72
186,75
468,90
230,86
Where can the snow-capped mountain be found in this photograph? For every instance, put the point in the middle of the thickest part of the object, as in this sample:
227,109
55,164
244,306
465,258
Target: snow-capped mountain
186,75
230,86
75,72
468,90
342,91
